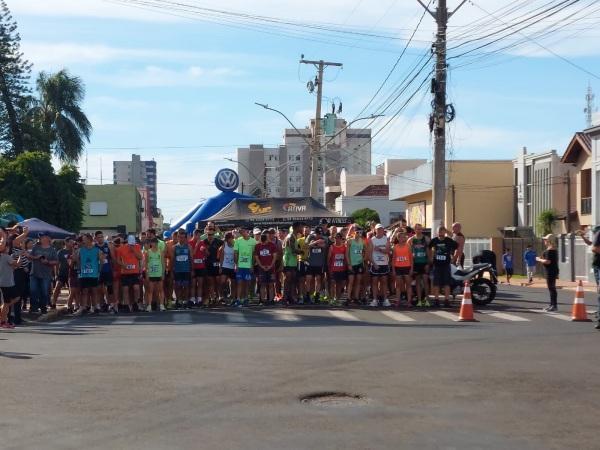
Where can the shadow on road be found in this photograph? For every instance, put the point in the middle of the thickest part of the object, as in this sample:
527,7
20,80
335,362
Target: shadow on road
15,355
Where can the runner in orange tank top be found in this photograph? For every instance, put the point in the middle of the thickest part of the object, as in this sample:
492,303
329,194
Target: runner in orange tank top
403,266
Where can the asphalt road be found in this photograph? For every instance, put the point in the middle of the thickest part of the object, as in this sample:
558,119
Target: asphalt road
232,379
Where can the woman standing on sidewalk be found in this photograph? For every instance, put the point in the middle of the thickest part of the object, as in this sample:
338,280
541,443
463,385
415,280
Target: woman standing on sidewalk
550,261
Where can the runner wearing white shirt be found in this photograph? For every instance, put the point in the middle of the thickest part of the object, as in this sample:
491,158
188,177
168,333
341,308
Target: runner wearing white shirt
378,254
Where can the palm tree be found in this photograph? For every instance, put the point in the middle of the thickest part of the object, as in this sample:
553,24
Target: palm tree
58,114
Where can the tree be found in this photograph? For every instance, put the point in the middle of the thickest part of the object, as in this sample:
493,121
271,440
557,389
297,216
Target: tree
28,181
362,216
58,115
71,193
14,79
546,221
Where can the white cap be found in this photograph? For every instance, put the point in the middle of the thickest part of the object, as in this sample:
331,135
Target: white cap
256,231
378,226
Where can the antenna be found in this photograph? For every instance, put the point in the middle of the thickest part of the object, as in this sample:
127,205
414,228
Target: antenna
589,106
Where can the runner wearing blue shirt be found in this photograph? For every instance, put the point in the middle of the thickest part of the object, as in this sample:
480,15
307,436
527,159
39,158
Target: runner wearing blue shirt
530,259
507,262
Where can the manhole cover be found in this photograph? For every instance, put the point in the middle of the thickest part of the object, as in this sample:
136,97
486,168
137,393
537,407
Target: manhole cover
334,399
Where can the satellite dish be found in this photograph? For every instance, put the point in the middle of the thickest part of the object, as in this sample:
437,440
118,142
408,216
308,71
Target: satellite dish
310,86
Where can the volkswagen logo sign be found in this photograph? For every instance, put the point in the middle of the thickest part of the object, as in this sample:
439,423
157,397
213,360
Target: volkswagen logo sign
227,180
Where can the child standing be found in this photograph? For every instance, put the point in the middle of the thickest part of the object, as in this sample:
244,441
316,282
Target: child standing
507,262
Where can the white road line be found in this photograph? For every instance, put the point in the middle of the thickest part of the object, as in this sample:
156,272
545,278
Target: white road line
445,315
285,315
551,314
236,317
504,316
121,320
344,315
398,317
63,322
182,318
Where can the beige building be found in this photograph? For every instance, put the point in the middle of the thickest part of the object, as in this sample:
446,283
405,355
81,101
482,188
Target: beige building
578,167
479,195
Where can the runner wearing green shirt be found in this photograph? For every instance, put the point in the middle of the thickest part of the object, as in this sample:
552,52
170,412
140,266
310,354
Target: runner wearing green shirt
419,243
291,251
356,256
243,249
155,268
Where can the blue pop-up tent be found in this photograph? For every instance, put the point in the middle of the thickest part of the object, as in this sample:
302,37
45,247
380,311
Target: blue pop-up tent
206,209
37,226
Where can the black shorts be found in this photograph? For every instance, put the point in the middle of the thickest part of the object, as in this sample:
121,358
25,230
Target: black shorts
302,269
288,269
106,278
130,280
314,271
402,271
229,273
212,270
73,282
9,293
509,271
419,269
63,278
339,276
181,276
155,279
198,273
442,276
357,270
88,283
380,271
266,276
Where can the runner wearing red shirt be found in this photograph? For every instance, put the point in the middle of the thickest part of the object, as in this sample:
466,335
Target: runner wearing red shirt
338,266
199,256
265,256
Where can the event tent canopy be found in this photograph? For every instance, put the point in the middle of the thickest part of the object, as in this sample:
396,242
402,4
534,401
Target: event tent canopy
37,226
263,212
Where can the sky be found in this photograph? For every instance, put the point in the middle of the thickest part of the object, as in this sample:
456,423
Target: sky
180,88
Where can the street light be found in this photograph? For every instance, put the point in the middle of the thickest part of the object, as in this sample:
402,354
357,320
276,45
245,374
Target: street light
256,180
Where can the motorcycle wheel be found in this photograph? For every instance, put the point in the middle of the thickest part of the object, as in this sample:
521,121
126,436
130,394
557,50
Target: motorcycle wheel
483,291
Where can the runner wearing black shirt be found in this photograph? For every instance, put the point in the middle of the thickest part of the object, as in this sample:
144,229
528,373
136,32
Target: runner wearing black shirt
443,249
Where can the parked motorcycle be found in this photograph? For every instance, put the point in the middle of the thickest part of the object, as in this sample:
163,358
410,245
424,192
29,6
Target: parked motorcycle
483,290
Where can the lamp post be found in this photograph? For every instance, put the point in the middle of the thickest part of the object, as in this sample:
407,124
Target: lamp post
315,151
256,180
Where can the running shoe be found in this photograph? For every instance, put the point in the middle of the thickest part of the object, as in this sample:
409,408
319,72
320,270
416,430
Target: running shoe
162,307
420,304
235,304
190,304
246,302
374,303
427,304
148,308
386,303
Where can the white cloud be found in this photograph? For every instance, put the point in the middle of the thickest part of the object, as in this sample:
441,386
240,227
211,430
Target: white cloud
156,76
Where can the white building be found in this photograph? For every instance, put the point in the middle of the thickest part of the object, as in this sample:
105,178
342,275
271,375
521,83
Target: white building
285,171
594,134
141,174
374,197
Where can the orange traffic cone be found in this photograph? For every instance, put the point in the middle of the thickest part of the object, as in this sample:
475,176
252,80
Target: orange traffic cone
466,307
579,312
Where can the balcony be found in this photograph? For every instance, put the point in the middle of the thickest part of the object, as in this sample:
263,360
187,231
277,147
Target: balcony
586,205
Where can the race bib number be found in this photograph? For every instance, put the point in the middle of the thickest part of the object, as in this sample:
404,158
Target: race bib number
265,252
181,258
154,269
440,257
380,260
130,267
420,253
401,259
87,271
358,251
198,261
244,259
338,263
316,250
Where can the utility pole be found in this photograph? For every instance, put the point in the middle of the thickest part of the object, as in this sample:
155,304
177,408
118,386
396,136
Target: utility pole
441,16
314,153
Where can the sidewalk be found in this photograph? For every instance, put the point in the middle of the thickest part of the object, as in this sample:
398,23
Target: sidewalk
541,283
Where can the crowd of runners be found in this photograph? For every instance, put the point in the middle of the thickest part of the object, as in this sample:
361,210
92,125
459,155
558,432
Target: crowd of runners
298,265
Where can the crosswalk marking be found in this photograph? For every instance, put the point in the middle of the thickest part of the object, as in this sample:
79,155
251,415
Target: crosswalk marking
551,314
285,315
344,315
501,315
236,317
445,315
124,320
63,322
398,317
182,318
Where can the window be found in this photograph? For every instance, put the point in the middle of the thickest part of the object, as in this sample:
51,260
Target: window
98,209
586,191
297,157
